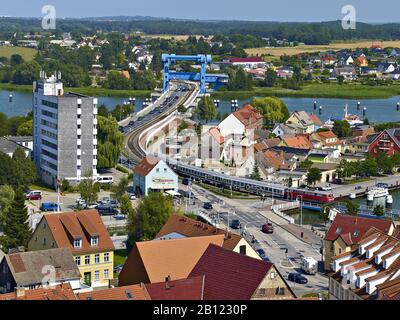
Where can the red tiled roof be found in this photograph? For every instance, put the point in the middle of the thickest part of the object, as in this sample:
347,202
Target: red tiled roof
229,275
317,121
248,115
185,289
62,225
298,142
353,228
59,292
146,165
132,292
217,135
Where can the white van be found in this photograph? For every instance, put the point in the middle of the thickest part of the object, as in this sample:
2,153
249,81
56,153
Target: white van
105,179
309,265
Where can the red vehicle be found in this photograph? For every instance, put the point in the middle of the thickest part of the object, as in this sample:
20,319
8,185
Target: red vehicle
267,228
34,195
309,195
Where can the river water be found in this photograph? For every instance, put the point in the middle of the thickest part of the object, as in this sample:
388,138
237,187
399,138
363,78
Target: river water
22,102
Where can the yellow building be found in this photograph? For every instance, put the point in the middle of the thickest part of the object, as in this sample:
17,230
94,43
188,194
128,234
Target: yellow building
84,233
309,122
346,230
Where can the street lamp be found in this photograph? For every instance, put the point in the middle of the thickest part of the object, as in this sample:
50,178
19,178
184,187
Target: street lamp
301,208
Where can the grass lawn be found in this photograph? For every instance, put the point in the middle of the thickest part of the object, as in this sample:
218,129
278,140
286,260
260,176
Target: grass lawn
120,256
357,181
40,187
26,53
226,192
317,90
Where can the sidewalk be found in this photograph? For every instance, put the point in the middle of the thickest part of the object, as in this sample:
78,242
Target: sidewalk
309,237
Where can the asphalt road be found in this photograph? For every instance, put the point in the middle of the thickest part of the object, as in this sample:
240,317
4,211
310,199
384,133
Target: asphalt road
274,245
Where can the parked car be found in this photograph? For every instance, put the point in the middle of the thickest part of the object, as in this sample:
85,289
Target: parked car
50,206
34,195
119,217
297,277
326,188
208,206
262,254
235,224
106,210
186,181
357,187
132,196
267,228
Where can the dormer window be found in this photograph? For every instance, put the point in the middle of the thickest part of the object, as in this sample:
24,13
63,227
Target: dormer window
94,241
77,243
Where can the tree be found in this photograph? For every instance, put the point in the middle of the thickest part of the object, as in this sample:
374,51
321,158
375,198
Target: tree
352,208
290,182
25,129
115,80
181,108
26,73
379,210
273,109
206,109
88,188
24,169
306,164
119,190
125,205
147,219
384,163
65,185
341,128
313,176
324,214
6,198
110,142
270,78
15,223
16,59
256,173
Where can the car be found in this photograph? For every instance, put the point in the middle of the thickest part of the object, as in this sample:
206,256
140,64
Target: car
297,277
119,217
357,187
326,188
262,255
34,195
132,196
267,228
106,210
208,206
50,206
235,224
186,181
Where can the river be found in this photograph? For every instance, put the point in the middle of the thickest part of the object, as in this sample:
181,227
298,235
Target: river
378,110
22,102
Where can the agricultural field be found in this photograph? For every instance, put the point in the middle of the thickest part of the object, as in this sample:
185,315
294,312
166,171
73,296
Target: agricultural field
27,53
277,52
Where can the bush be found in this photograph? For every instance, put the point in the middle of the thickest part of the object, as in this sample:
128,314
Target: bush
65,186
122,169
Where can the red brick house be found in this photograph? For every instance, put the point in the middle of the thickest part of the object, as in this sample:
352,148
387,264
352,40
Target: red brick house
388,141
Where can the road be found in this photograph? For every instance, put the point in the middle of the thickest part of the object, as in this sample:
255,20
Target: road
274,245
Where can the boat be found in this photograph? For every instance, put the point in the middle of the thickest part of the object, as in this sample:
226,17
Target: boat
378,191
352,196
352,119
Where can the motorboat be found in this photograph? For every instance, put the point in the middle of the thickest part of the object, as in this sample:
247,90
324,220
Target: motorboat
377,192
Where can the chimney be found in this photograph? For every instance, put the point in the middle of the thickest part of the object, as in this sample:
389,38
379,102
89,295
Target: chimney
226,234
20,292
167,282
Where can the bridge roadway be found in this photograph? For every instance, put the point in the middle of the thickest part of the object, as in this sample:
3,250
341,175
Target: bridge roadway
168,104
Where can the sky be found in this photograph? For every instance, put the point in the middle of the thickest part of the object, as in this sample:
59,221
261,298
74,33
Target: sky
256,10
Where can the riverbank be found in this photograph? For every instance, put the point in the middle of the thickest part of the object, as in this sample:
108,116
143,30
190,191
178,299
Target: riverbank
317,90
89,91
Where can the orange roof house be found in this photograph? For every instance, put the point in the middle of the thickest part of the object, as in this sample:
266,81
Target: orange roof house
154,261
297,142
250,117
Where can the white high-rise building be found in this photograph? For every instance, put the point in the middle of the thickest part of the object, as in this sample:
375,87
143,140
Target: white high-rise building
65,132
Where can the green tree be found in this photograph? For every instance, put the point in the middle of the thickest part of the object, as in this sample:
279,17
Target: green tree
255,175
379,210
352,208
6,198
270,78
273,109
147,219
206,109
126,205
110,142
15,223
25,129
306,164
119,190
385,163
324,213
88,188
4,125
341,128
16,59
26,73
24,169
115,80
313,176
